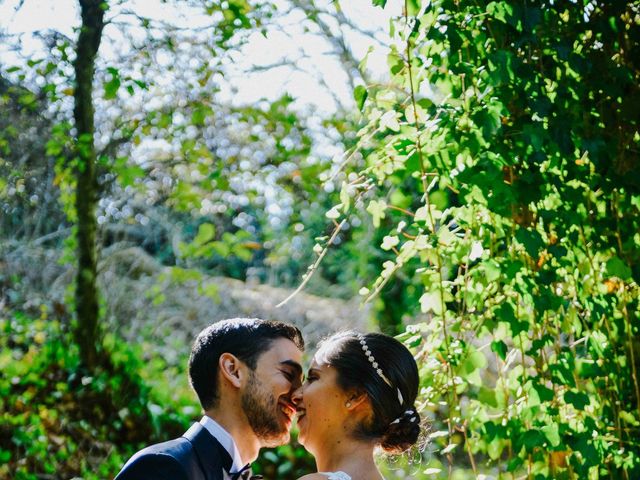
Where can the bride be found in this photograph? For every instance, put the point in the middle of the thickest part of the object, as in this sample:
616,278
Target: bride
359,394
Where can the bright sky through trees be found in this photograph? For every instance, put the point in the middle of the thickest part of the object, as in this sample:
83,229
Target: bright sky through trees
260,69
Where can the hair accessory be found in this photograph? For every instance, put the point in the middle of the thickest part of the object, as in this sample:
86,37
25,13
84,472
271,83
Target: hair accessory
376,367
411,412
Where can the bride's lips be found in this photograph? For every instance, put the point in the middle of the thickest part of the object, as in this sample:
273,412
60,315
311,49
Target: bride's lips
301,412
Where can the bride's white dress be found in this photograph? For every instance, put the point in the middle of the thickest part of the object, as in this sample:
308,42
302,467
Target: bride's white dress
336,475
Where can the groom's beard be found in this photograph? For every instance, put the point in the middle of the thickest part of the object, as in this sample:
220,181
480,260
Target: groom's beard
263,412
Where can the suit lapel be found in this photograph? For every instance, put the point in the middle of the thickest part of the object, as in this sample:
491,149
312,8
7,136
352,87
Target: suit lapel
211,454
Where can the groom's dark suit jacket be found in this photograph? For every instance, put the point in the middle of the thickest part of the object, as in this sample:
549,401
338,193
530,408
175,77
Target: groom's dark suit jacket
197,455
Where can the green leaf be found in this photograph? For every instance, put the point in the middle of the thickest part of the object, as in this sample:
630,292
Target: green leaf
376,209
500,10
430,302
413,7
379,3
492,270
128,175
500,348
54,147
389,241
488,396
243,253
389,120
539,343
506,313
413,341
544,394
562,373
532,241
221,248
629,418
495,449
577,399
334,212
206,232
345,198
199,115
552,434
360,95
532,439
111,86
476,360
142,84
618,268
5,456
426,213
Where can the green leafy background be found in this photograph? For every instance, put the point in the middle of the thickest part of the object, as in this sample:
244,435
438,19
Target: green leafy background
486,210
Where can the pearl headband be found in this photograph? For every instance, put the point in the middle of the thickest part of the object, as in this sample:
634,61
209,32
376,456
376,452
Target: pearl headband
376,367
408,413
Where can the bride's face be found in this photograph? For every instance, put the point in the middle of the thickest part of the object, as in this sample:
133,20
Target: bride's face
321,406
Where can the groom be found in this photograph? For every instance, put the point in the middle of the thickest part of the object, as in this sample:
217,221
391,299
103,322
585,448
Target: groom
244,372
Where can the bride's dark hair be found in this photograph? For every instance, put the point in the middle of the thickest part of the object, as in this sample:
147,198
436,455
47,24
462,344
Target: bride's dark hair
388,374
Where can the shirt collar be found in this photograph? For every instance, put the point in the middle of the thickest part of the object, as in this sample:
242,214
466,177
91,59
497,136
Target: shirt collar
225,439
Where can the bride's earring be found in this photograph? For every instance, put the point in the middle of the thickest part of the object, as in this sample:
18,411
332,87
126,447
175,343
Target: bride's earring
348,404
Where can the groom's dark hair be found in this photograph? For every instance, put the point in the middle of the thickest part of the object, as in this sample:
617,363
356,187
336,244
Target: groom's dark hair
246,338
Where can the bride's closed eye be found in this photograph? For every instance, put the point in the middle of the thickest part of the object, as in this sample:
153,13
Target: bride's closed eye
312,376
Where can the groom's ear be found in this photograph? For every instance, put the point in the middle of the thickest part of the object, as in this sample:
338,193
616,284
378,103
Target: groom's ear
232,369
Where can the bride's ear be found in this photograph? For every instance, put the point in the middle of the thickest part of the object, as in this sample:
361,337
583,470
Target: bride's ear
231,369
356,399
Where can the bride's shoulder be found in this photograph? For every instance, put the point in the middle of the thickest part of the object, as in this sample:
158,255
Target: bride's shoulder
326,476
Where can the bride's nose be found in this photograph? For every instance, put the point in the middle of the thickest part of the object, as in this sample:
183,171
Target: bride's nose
296,396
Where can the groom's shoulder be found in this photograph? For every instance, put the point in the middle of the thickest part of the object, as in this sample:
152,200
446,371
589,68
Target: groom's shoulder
176,447
163,460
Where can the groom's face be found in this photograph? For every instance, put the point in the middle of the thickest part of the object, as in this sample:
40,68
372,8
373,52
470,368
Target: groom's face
266,397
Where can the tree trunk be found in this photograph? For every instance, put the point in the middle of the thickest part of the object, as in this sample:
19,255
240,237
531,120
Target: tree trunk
87,330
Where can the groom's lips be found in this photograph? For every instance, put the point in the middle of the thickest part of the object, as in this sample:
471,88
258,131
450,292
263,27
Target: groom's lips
288,409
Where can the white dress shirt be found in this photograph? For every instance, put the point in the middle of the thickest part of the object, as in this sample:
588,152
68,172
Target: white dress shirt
226,440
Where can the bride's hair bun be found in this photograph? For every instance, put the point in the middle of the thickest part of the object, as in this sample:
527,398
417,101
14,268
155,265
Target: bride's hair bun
402,433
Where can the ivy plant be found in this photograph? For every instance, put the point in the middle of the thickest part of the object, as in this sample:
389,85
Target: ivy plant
500,162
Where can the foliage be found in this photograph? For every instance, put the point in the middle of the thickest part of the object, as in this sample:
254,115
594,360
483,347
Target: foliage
288,462
54,412
28,198
497,169
498,166
173,154
213,189
58,420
